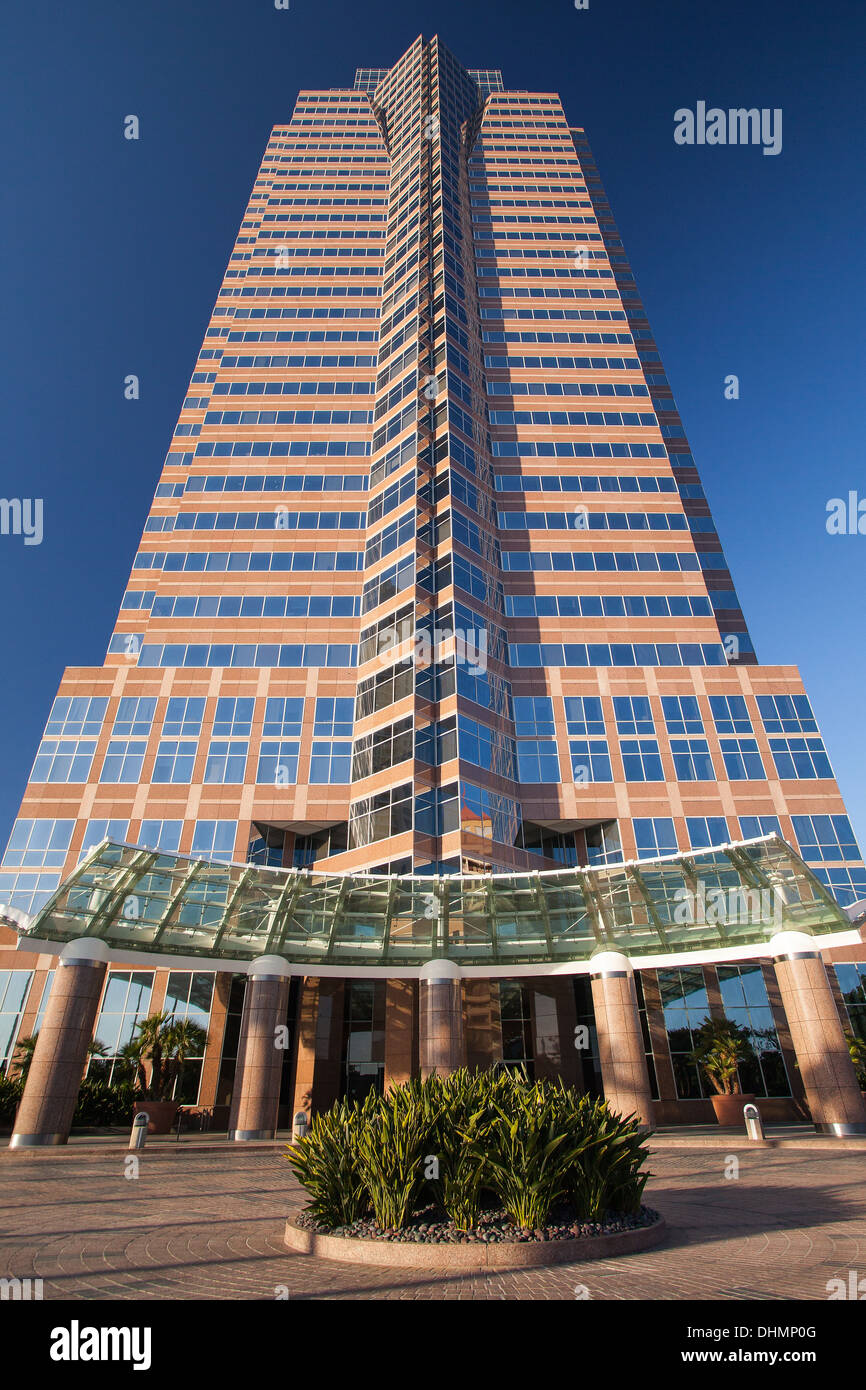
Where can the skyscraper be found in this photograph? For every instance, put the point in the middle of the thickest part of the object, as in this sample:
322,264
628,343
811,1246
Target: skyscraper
430,587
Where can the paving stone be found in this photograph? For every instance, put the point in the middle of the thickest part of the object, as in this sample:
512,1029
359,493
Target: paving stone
194,1227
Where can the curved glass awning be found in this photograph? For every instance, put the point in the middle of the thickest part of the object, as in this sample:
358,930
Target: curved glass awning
724,902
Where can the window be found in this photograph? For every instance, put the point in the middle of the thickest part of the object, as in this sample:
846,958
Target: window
633,714
603,843
533,716
183,717
583,715
233,719
379,817
283,718
175,760
134,717
27,890
692,761
278,762
746,1003
14,989
43,1003
742,759
478,743
852,983
363,1038
334,718
214,839
730,714
330,762
646,1036
685,1007
161,834
590,760
98,830
40,844
226,761
537,760
123,760
751,827
593,1083
825,837
787,714
488,814
654,836
72,718
641,760
706,831
383,748
63,760
125,1002
34,847
188,996
682,714
800,758
515,1011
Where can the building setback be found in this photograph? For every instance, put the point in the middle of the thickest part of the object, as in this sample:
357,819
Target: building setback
429,585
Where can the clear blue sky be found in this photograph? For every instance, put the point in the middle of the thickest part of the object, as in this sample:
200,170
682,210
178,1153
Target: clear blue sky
111,253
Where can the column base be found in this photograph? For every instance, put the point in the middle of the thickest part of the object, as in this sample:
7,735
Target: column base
35,1141
241,1134
840,1130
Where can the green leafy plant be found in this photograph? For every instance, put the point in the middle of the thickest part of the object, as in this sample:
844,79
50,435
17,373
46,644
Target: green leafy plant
392,1148
857,1049
11,1091
493,1135
101,1103
461,1132
720,1049
325,1163
528,1152
610,1153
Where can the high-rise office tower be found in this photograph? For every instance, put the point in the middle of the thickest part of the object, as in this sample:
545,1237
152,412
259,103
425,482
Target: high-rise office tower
429,586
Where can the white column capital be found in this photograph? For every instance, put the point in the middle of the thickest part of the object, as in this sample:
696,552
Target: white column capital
439,969
91,948
610,963
269,965
793,943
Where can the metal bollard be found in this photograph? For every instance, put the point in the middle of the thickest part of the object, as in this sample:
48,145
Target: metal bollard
754,1124
299,1125
138,1133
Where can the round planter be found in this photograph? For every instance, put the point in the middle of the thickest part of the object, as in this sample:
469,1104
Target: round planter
160,1114
729,1109
446,1257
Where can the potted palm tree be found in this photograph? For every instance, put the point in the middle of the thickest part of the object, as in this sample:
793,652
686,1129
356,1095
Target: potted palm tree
721,1048
167,1044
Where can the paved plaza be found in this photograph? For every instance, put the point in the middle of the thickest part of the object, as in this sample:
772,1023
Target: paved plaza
206,1223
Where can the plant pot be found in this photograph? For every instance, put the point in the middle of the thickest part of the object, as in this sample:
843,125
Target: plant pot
729,1109
160,1114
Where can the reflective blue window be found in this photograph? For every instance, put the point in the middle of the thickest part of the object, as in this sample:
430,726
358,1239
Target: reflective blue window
706,831
633,714
654,835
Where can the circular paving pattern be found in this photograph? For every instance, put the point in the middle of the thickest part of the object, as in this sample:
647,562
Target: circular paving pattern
197,1225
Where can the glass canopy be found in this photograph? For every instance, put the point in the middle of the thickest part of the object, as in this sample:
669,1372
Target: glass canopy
730,896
